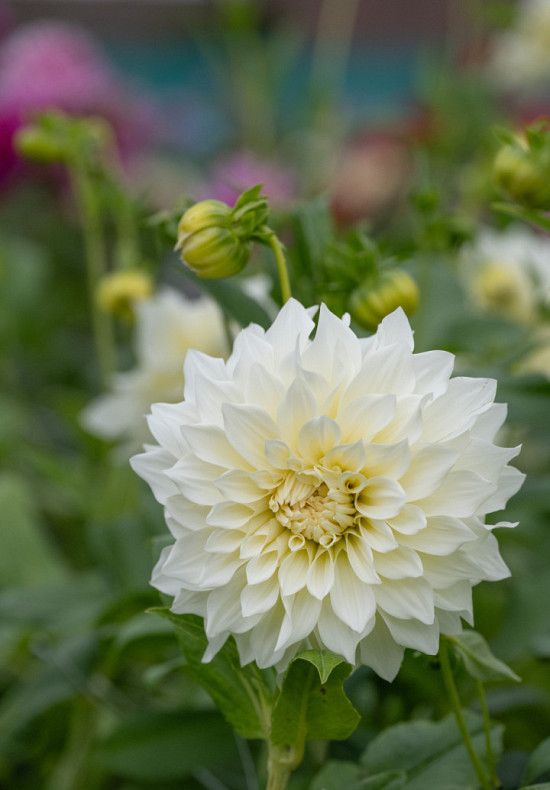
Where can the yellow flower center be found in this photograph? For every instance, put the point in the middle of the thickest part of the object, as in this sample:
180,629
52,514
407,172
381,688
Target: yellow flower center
312,507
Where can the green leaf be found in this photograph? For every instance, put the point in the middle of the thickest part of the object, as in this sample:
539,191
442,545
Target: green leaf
155,746
538,763
313,230
431,753
476,655
533,216
389,780
335,775
543,786
27,556
312,702
242,694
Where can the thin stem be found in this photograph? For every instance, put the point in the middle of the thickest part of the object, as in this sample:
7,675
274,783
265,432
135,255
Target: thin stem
454,699
489,754
282,269
95,261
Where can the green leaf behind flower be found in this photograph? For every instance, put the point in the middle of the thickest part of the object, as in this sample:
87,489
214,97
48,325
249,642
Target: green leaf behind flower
538,763
312,702
478,659
242,694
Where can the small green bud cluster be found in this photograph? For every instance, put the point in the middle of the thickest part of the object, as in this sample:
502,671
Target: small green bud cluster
521,169
57,137
215,240
371,301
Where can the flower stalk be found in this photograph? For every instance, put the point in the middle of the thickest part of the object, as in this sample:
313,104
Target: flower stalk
452,693
282,269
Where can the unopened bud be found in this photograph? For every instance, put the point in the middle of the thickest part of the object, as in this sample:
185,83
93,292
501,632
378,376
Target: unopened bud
117,292
209,240
372,301
38,145
522,173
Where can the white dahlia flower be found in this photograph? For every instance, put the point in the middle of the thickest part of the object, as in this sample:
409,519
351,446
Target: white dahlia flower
328,493
508,272
167,326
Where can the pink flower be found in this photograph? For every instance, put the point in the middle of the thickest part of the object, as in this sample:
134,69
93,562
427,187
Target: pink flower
241,170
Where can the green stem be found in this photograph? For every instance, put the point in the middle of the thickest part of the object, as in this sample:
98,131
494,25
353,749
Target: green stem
282,761
95,261
489,754
454,699
278,251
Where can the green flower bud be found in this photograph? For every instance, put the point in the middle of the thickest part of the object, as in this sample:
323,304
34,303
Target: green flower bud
117,292
522,173
36,144
209,240
372,301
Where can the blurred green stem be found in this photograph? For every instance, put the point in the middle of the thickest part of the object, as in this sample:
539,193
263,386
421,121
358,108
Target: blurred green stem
490,756
454,699
95,260
282,269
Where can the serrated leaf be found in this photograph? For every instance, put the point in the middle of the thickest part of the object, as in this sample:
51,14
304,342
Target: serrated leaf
478,659
309,707
432,754
538,763
242,694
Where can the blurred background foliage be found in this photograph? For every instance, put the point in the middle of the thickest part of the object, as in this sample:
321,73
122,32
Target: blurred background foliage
374,138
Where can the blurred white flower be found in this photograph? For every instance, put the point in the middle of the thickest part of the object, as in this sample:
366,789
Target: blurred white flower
328,493
167,326
508,272
520,57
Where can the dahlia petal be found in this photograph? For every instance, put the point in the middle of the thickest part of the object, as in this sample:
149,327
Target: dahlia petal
379,651
509,483
411,633
166,583
406,598
365,415
346,456
353,601
215,644
395,328
432,370
378,535
185,515
455,598
210,444
335,634
151,466
261,568
401,563
465,398
461,494
299,621
189,602
333,341
263,388
238,486
490,422
387,369
297,407
317,436
450,623
443,535
361,559
320,575
277,453
409,521
381,498
195,479
199,364
486,459
293,571
247,427
230,515
224,541
387,460
407,421
259,598
165,425
428,467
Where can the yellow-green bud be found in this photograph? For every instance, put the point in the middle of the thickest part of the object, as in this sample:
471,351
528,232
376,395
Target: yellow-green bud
209,242
372,301
117,292
523,174
34,143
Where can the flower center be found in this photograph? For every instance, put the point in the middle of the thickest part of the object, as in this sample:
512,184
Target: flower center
312,508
